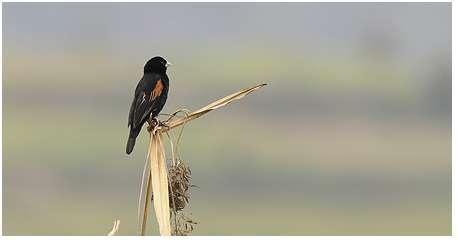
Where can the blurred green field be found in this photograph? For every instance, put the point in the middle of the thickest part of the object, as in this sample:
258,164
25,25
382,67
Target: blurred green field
352,136
374,182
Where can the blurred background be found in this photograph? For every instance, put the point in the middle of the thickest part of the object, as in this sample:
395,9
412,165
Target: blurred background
351,137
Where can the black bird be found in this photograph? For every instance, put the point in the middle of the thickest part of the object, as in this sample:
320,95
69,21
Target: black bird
150,97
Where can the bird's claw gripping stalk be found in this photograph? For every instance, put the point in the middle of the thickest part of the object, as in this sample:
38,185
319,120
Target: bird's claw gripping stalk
154,122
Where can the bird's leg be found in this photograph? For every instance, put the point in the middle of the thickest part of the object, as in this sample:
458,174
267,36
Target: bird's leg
152,122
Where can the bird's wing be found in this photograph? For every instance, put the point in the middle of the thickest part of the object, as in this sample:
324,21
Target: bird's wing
146,99
138,88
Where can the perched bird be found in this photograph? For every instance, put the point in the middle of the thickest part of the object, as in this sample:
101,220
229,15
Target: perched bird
149,98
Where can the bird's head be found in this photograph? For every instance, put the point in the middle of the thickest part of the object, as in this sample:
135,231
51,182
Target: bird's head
156,65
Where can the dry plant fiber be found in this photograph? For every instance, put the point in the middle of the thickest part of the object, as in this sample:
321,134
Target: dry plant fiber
155,169
160,183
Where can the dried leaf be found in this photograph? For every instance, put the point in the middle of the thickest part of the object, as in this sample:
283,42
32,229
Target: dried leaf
116,226
159,183
144,196
212,106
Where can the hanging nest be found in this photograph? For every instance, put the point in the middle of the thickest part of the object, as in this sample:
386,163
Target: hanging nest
179,176
179,186
179,197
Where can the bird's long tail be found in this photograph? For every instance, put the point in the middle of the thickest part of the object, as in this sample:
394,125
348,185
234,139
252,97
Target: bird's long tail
131,141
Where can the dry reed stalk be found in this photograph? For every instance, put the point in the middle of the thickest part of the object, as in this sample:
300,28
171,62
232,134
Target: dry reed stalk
115,228
212,106
145,193
160,184
155,171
